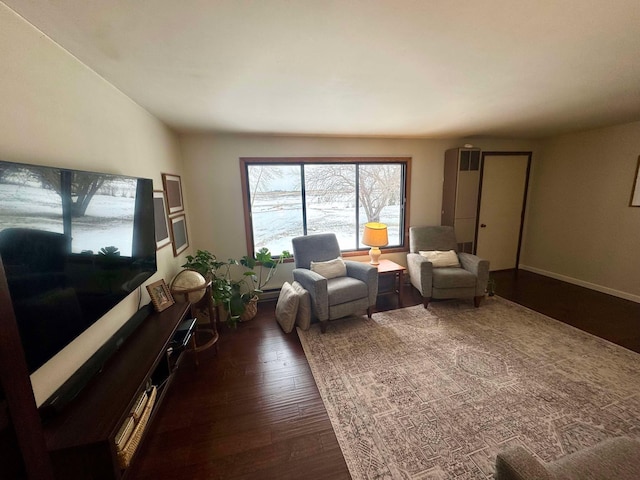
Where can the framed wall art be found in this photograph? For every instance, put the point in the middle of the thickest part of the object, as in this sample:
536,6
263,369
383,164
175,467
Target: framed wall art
179,234
163,238
173,189
635,192
160,295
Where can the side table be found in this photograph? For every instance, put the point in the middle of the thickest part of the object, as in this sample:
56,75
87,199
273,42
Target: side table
387,268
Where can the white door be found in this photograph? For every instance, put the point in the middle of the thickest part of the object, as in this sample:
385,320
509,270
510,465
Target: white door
504,180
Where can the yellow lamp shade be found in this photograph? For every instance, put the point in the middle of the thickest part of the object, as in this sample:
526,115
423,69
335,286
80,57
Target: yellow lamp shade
375,235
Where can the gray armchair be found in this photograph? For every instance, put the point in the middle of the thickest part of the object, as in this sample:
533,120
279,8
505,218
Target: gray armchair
334,297
446,282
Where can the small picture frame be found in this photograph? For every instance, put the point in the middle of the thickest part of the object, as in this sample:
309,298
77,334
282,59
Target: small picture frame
179,234
173,189
635,192
160,295
163,237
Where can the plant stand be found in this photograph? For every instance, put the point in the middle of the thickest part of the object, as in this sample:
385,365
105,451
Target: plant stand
206,307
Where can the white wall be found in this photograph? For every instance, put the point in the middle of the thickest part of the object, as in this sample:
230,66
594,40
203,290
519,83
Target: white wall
55,111
580,228
212,173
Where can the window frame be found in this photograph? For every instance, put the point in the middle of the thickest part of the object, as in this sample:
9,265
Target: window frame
248,224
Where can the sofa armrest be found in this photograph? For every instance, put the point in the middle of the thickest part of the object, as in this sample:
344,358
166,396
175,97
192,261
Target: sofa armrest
420,273
615,458
479,267
367,274
518,464
316,285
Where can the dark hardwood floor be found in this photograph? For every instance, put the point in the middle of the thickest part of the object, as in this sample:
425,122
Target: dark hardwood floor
252,411
605,316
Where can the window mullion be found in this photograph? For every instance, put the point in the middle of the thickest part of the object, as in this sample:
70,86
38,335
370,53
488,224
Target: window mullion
357,203
303,190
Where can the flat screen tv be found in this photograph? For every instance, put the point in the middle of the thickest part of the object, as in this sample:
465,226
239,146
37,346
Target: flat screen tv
73,245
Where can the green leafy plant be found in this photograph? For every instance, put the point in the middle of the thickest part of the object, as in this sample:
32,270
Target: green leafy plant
247,289
235,295
222,288
257,281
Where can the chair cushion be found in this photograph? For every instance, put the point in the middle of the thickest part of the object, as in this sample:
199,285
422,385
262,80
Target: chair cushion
441,259
303,318
345,289
287,307
451,277
330,269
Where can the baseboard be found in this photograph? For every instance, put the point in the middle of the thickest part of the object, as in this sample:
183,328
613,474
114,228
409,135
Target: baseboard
582,283
270,294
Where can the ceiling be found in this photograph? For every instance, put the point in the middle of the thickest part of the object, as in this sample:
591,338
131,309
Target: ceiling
392,68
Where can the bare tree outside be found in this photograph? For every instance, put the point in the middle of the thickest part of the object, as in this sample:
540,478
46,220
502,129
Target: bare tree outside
331,201
276,209
261,179
379,185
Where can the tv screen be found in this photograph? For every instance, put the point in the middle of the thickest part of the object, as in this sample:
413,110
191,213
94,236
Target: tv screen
73,245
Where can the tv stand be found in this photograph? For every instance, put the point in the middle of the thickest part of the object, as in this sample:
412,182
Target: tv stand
81,437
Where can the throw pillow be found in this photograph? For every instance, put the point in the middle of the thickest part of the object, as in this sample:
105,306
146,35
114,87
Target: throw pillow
441,259
287,307
303,318
331,268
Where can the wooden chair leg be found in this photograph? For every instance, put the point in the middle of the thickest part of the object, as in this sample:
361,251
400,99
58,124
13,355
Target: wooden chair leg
478,300
425,301
369,311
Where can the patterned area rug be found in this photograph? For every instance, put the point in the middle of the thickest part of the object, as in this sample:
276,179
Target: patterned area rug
435,394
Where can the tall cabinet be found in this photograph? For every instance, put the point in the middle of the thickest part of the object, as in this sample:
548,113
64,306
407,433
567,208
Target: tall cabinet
460,194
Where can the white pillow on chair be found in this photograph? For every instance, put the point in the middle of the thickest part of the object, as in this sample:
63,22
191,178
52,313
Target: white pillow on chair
440,259
331,268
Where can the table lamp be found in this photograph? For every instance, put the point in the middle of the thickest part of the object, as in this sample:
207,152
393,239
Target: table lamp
375,236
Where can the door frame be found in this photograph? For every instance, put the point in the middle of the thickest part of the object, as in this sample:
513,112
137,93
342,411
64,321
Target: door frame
529,156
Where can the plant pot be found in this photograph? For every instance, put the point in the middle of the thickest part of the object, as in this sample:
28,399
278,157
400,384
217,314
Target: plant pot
222,313
250,310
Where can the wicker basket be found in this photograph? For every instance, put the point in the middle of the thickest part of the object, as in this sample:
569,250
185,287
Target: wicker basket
250,310
124,433
125,454
138,406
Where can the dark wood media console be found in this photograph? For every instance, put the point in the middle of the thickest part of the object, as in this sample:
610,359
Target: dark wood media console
81,438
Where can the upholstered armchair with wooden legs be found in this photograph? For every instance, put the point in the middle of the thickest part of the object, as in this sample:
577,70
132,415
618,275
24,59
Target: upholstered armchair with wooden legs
354,289
466,280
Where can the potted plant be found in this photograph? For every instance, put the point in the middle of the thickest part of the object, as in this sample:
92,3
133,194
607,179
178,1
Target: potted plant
253,282
239,298
222,288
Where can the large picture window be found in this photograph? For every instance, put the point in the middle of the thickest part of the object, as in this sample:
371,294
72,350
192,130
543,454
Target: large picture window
286,198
